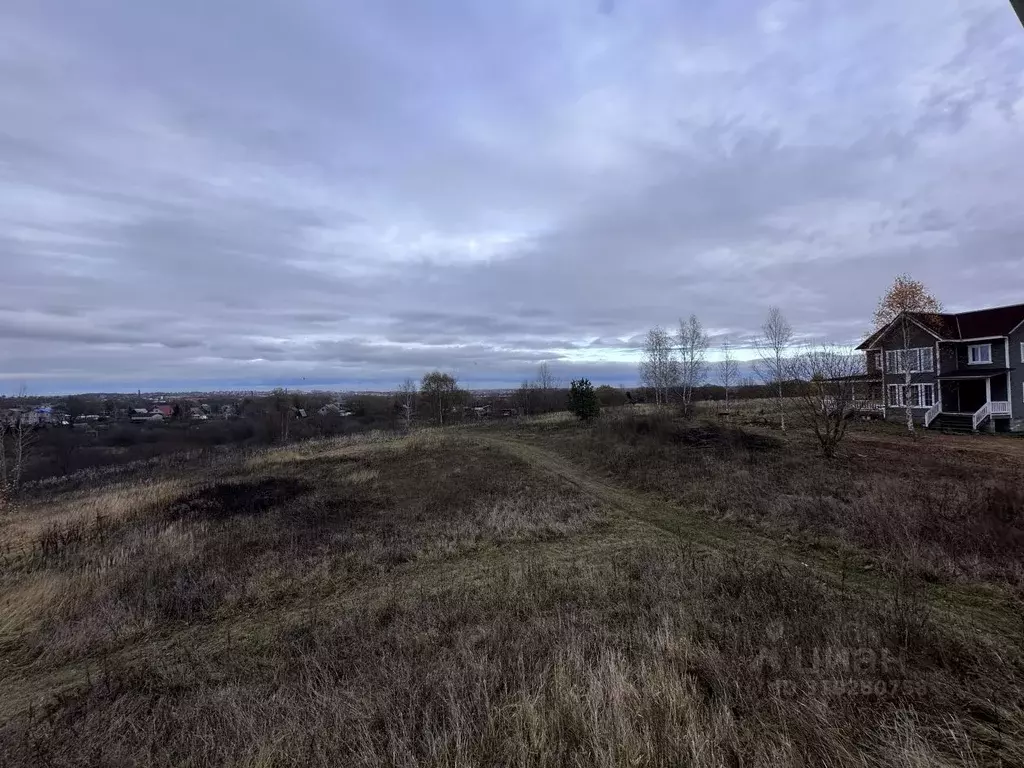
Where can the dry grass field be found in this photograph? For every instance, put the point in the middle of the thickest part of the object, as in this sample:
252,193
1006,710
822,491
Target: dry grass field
640,592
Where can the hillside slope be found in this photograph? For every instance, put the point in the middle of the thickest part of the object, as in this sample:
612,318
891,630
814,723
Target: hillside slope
477,597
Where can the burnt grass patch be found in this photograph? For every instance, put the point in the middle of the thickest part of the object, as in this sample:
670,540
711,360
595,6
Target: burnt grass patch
223,501
662,429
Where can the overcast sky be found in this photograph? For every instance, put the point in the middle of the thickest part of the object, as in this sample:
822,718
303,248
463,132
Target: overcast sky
234,193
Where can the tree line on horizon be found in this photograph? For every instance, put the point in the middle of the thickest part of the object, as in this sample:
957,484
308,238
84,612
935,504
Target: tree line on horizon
673,371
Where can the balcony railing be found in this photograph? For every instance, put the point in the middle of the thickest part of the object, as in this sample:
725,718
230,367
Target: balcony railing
999,408
932,412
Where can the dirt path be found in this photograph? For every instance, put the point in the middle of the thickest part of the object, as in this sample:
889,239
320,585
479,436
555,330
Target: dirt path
980,608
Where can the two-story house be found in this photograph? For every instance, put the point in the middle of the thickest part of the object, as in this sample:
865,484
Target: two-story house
966,369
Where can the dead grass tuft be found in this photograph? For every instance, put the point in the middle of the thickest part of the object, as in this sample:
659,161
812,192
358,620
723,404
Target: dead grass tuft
712,664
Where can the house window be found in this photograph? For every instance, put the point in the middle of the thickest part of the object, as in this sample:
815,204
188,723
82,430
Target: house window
921,359
1021,352
916,395
926,395
878,357
979,354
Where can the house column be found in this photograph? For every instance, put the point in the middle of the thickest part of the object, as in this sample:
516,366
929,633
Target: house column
988,390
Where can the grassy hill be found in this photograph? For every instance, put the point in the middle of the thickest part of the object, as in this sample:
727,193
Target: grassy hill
639,592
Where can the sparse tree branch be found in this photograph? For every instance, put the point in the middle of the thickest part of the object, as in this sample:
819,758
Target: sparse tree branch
728,370
693,349
659,369
772,346
545,379
407,392
17,438
826,403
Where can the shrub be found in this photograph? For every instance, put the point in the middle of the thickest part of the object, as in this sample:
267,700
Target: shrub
583,402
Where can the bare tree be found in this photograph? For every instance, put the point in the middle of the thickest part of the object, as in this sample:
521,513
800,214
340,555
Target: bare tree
526,397
827,401
693,351
535,396
545,379
547,384
407,391
280,402
906,297
16,440
8,475
728,370
659,369
772,346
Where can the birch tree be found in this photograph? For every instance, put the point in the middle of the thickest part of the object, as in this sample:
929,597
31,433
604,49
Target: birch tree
905,296
659,369
693,352
772,346
407,391
16,441
728,370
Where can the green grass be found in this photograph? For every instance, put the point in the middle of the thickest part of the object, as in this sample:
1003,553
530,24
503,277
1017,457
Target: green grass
538,595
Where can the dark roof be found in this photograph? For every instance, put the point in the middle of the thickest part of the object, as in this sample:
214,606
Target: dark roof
998,321
945,325
977,324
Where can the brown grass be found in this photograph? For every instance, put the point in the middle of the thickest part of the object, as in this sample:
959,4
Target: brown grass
112,502
940,505
437,601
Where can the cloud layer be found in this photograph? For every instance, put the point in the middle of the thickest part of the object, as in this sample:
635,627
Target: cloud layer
236,193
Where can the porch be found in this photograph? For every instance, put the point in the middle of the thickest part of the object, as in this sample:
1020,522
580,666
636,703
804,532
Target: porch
977,396
865,397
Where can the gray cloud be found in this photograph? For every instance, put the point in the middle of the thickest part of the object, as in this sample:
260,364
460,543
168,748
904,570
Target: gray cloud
352,192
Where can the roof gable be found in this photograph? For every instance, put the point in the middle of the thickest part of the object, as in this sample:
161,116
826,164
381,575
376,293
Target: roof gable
927,323
976,324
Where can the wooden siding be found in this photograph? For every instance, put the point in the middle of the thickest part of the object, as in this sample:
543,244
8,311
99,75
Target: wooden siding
872,367
918,338
961,348
948,358
1017,374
